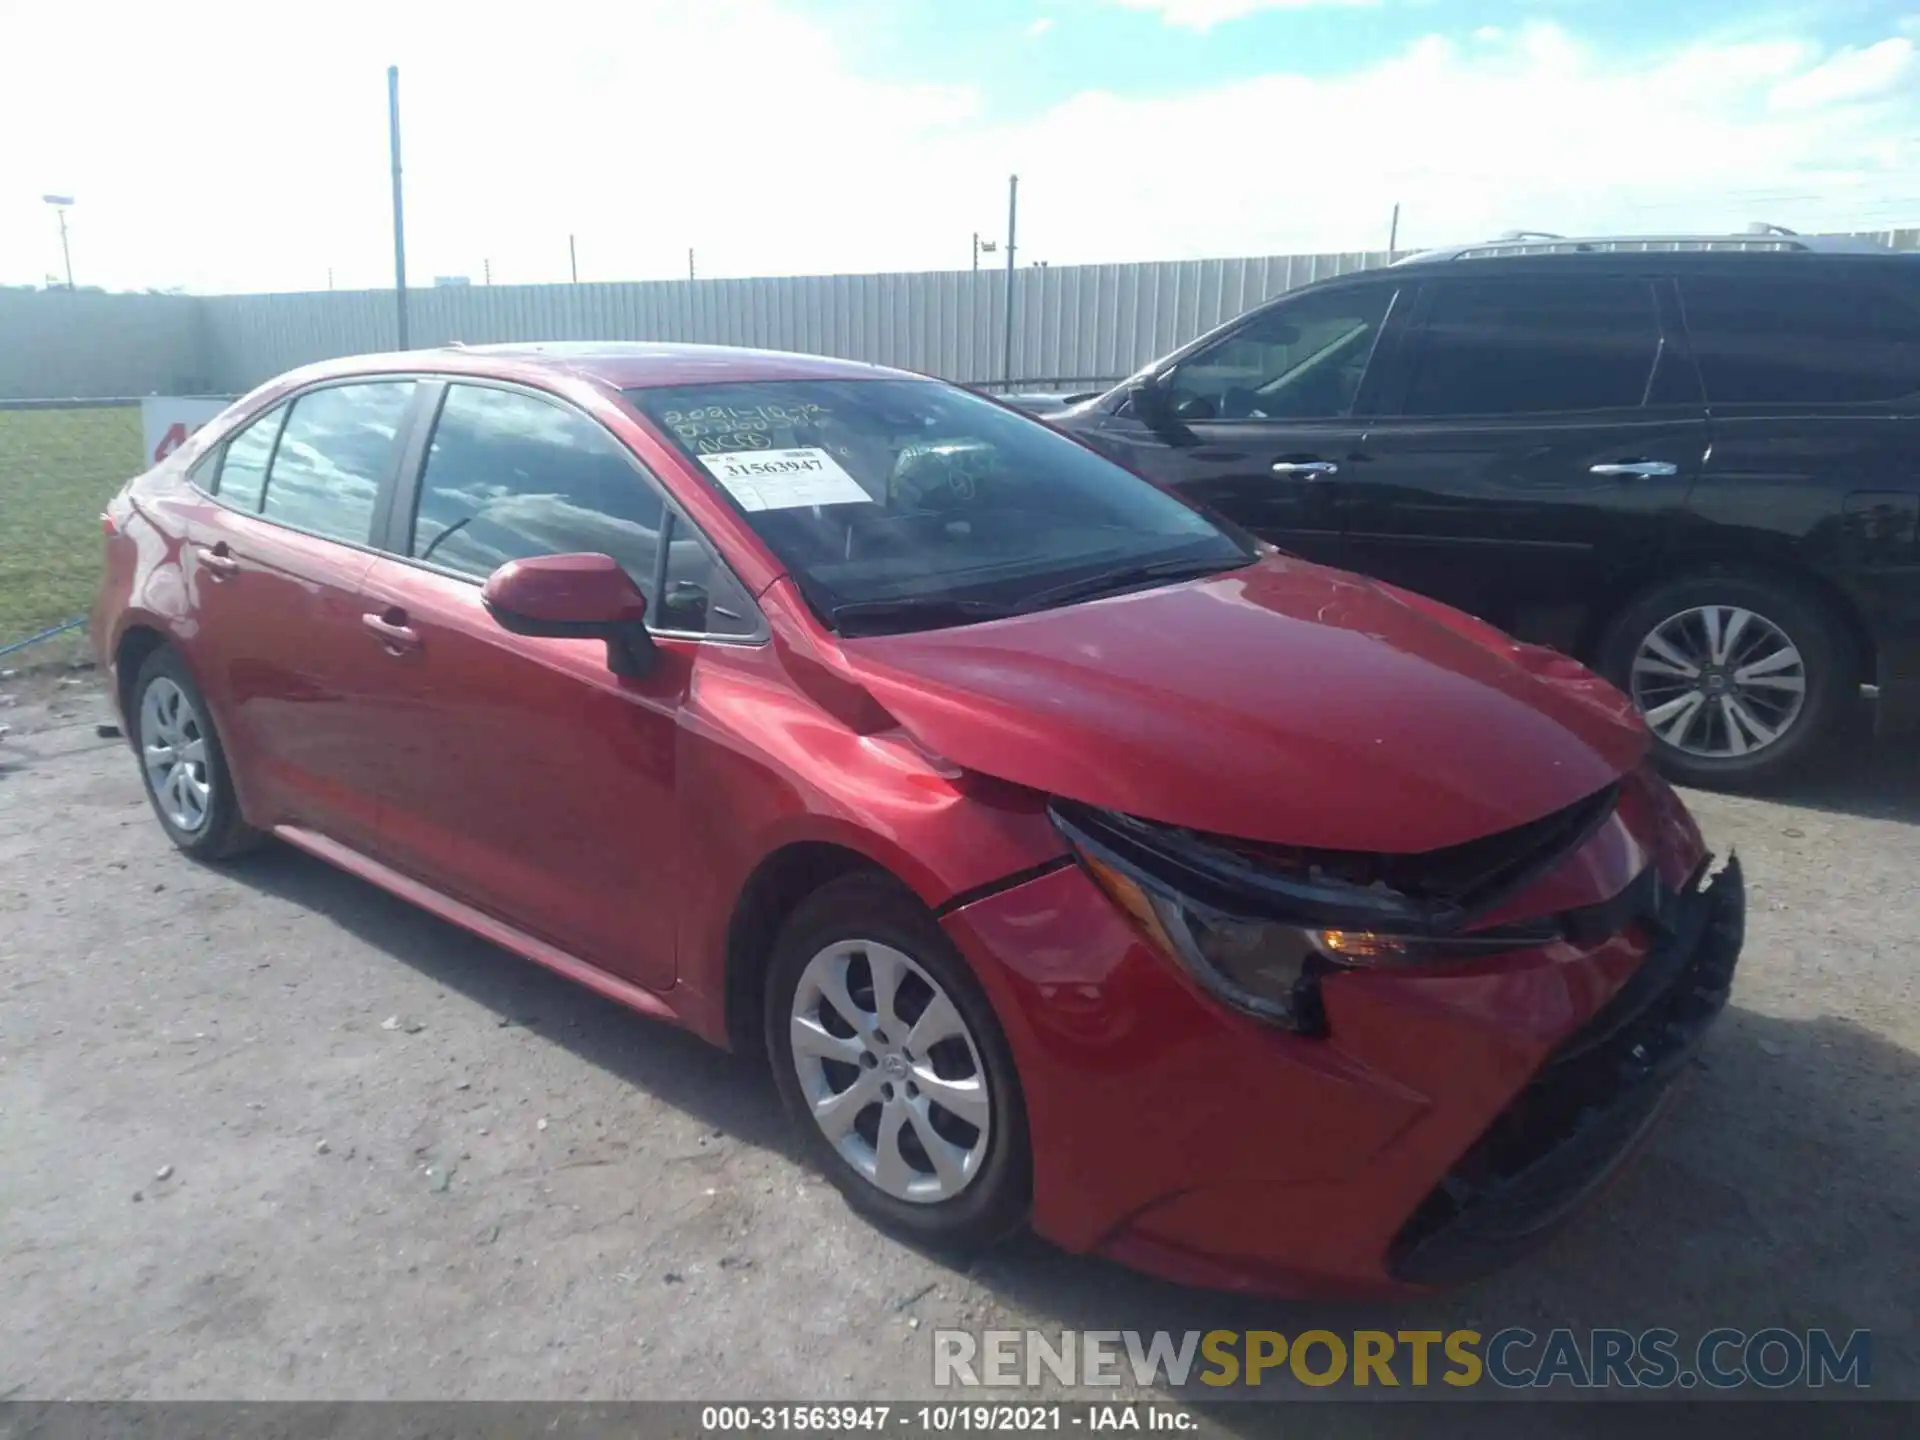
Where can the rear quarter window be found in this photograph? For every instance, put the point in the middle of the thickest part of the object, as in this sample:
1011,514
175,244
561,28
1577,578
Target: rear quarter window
1780,339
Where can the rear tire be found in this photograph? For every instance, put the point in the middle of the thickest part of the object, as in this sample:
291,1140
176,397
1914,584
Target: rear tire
183,763
1739,677
930,1139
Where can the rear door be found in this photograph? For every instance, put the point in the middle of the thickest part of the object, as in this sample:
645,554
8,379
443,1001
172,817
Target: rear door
275,557
1814,385
1812,373
1273,412
1536,445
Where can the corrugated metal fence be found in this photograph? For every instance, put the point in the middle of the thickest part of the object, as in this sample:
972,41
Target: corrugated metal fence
1072,324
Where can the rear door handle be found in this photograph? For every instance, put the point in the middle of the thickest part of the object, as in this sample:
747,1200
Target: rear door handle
1644,469
216,558
1311,469
393,630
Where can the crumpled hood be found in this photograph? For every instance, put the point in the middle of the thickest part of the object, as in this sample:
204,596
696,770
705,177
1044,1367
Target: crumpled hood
1284,703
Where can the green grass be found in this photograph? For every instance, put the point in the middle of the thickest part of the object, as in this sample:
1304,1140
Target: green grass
57,469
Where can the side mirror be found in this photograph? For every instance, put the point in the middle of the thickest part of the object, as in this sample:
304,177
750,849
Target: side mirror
1152,401
574,597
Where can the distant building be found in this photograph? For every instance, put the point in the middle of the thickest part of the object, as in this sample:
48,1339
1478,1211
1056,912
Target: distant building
440,280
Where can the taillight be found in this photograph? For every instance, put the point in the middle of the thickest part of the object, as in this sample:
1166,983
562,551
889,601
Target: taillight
107,526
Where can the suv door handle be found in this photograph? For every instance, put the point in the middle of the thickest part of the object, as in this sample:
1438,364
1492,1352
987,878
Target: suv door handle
217,558
1644,469
393,630
1312,469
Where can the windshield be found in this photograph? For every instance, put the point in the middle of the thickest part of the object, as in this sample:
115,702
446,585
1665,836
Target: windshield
901,504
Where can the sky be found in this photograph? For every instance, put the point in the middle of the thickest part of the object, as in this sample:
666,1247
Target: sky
219,146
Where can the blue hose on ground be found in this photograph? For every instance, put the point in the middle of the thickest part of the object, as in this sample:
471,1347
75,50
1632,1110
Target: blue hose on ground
61,629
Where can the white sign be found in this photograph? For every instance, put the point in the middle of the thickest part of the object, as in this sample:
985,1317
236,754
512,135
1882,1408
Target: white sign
167,421
785,479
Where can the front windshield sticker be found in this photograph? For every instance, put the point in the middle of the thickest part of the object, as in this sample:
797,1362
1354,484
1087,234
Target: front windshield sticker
785,479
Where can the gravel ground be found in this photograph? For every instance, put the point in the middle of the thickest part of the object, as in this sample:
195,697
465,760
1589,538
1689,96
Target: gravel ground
269,1133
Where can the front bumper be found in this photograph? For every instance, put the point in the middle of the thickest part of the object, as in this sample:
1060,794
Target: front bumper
1192,1142
1593,1100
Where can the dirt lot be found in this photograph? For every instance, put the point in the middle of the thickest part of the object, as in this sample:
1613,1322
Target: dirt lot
269,1133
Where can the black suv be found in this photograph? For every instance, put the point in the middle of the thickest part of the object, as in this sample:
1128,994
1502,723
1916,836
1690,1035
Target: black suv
1694,465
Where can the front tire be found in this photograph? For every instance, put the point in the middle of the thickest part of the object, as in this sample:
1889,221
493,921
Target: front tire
183,764
894,1070
1739,677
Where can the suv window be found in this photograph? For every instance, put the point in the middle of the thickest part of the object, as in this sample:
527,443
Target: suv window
1523,345
336,449
241,475
1772,338
509,475
1300,360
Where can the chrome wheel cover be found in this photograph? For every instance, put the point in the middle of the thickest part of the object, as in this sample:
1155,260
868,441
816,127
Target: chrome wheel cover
1719,681
890,1072
173,751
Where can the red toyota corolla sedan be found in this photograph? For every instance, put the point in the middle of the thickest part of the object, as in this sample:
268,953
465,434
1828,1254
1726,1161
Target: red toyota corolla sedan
1074,859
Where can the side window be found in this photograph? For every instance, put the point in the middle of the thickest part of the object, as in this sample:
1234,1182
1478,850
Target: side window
1516,347
241,474
336,449
1301,360
1777,338
509,476
701,596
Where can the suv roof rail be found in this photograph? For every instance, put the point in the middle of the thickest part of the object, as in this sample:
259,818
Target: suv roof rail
1759,236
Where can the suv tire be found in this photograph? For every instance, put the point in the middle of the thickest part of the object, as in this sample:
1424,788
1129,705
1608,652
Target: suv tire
1738,676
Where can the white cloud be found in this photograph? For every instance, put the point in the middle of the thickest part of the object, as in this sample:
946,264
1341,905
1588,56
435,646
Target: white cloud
1040,26
1849,75
1205,14
201,156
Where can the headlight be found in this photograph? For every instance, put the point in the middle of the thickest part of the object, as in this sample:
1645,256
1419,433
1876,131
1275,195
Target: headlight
1269,965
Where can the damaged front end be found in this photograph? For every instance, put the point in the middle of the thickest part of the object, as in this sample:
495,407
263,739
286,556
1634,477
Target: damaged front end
1259,926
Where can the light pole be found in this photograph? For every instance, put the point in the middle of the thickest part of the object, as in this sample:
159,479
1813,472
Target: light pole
1013,212
399,217
60,204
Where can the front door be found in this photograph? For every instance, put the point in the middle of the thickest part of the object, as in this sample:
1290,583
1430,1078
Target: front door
1536,445
275,559
524,777
1269,413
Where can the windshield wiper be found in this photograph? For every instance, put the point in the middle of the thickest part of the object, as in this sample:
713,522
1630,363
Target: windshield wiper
1088,586
917,611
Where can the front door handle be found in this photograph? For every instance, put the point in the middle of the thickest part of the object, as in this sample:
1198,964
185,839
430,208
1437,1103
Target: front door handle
393,630
1643,469
217,558
1311,469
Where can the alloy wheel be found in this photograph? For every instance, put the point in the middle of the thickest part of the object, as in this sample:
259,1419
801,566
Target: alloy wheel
890,1071
173,749
1719,681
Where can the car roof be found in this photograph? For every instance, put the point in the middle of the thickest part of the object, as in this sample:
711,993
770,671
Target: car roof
623,365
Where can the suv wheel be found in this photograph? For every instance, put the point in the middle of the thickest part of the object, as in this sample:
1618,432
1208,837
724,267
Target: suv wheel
894,1069
183,764
1737,677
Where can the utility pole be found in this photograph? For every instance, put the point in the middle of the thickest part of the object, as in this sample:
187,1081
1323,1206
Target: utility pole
60,204
689,262
1013,214
329,277
1393,232
976,252
573,260
399,219
486,270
